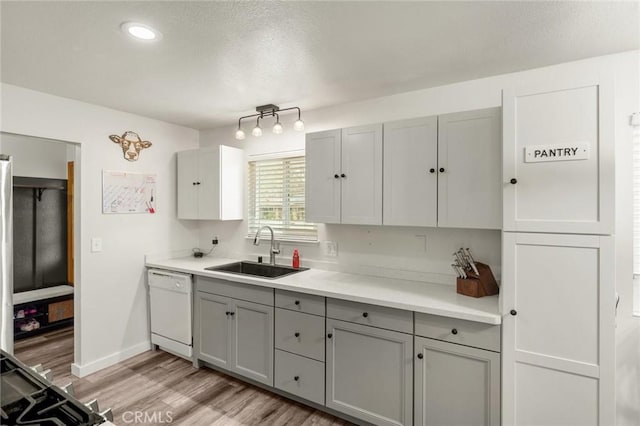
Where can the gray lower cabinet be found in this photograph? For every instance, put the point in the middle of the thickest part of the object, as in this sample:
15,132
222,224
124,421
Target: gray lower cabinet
300,376
212,329
456,385
236,335
374,368
369,373
299,333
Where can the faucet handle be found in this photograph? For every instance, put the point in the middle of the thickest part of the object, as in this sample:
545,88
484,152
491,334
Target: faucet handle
276,247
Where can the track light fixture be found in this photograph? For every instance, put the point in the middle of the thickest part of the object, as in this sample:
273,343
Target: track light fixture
269,110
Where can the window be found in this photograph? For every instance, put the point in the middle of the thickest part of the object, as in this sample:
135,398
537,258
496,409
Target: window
276,198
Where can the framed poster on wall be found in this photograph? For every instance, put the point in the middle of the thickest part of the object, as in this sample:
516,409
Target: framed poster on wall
127,192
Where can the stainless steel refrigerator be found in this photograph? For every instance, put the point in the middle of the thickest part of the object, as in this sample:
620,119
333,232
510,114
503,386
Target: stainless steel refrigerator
6,254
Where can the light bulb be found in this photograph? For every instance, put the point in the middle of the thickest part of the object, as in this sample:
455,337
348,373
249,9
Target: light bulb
257,131
277,128
240,134
140,31
298,125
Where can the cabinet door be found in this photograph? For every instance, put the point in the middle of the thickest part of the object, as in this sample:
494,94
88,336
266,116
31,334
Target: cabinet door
559,154
558,362
362,169
469,167
232,167
456,385
303,377
322,177
212,329
208,184
187,187
410,179
369,373
252,341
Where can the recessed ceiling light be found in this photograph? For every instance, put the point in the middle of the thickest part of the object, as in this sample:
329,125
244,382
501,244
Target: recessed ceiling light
140,31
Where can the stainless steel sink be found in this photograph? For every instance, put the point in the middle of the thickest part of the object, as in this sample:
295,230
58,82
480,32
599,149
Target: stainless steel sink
263,270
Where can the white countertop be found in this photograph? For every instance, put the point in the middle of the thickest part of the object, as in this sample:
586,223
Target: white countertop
402,294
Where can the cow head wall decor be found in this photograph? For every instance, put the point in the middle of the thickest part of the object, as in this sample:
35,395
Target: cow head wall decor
131,145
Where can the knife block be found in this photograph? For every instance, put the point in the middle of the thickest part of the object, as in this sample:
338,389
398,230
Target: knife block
480,285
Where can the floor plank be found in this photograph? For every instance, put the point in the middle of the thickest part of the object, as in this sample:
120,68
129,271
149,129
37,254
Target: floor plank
156,385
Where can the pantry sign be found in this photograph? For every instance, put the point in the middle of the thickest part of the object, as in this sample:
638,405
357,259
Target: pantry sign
540,153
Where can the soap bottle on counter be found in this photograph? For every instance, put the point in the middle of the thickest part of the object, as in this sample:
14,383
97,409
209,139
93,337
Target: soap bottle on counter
296,259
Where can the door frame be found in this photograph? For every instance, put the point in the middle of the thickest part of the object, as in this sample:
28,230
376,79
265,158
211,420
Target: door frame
77,242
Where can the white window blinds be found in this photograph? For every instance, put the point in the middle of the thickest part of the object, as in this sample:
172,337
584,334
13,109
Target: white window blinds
636,200
276,198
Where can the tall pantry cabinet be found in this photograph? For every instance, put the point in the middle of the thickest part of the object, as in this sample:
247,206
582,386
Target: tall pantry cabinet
558,280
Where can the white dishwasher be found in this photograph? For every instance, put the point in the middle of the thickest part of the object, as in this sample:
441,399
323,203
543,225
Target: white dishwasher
170,300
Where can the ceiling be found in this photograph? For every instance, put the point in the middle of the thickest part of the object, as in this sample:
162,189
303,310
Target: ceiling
218,60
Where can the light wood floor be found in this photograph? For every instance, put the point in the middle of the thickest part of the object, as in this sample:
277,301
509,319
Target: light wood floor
159,383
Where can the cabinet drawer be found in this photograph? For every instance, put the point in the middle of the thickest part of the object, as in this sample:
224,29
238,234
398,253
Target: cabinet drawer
309,374
250,293
59,311
469,333
310,337
376,316
300,302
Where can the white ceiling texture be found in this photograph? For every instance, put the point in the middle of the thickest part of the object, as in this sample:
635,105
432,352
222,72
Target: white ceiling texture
218,60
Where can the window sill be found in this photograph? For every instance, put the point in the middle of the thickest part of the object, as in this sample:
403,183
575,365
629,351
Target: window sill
288,242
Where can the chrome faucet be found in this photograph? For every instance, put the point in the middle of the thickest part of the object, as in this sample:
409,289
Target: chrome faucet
275,246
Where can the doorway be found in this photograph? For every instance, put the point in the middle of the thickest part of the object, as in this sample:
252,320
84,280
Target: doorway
46,229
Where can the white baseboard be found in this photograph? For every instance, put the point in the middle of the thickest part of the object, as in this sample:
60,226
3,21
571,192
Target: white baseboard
109,360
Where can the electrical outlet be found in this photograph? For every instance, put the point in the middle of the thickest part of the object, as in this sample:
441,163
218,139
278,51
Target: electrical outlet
330,248
96,245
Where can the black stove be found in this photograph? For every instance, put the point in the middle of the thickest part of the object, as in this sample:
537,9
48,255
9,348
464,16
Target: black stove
29,399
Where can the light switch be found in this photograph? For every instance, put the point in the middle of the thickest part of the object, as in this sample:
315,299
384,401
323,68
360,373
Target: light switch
96,245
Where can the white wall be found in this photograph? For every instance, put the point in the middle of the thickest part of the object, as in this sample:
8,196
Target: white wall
33,157
399,248
112,308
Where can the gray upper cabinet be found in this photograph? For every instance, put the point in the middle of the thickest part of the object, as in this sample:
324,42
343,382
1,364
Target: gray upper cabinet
210,183
362,175
443,171
410,186
369,373
322,180
470,169
456,385
344,176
